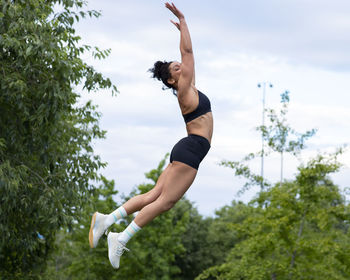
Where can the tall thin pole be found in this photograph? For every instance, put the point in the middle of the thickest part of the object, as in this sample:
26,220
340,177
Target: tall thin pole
263,85
262,136
281,169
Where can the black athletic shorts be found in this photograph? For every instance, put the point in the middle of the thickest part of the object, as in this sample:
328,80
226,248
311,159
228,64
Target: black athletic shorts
190,150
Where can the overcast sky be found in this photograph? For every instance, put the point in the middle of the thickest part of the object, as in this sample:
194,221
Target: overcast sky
300,45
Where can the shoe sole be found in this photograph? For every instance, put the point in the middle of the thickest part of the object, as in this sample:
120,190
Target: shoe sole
91,235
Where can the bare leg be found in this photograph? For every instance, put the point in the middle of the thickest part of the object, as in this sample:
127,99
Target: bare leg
137,202
132,205
177,181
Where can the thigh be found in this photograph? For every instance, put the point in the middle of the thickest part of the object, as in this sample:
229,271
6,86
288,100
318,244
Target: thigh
156,191
179,178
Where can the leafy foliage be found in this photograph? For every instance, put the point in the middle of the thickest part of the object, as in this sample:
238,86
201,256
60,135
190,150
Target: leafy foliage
221,237
277,132
73,257
296,229
299,230
280,137
153,249
47,162
242,169
198,251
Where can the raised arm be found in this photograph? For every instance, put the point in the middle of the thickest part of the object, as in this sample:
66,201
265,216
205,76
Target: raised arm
187,76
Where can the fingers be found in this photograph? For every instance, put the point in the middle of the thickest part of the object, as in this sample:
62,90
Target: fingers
173,5
176,9
176,24
173,9
170,7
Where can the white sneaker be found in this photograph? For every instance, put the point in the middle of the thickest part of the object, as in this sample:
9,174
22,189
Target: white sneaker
97,228
115,249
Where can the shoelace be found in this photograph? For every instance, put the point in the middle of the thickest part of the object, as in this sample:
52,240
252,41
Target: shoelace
120,249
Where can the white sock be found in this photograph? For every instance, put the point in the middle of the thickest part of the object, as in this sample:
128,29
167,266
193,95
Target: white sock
129,232
115,216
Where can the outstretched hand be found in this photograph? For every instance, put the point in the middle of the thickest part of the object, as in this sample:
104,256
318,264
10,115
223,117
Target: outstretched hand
176,12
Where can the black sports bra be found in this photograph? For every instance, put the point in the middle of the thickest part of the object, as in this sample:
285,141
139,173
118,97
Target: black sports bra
202,108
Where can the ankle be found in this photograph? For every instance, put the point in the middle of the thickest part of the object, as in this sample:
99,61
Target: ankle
116,215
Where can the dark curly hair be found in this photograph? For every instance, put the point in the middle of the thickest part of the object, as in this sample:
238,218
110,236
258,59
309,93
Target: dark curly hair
161,72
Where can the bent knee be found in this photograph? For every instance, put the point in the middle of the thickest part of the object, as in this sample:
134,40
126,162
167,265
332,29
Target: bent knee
150,197
168,204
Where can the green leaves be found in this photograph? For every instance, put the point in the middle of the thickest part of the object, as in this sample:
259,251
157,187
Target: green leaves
47,163
241,169
153,249
277,135
297,230
278,132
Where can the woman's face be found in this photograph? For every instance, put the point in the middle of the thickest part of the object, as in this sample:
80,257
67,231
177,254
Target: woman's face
175,70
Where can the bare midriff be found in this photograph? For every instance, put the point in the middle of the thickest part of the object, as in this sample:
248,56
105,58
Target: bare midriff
203,126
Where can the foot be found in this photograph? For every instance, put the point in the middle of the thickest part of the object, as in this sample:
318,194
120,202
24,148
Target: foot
97,228
115,249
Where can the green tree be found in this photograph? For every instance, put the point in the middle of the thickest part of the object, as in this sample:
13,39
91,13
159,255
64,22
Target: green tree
280,136
152,250
73,258
47,162
197,254
296,228
299,230
220,235
208,241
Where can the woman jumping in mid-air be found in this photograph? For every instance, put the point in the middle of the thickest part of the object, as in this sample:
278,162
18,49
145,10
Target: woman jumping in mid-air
185,157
